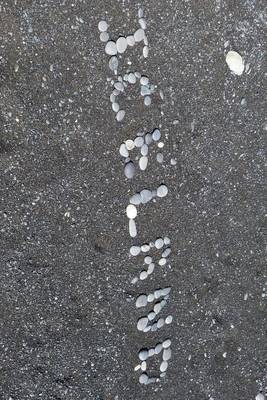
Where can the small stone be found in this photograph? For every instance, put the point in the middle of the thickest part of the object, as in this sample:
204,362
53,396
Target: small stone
142,23
143,163
120,115
151,268
145,91
140,13
104,37
143,354
151,352
145,247
134,281
158,293
143,275
154,327
112,98
138,75
162,191
166,291
159,243
123,150
235,62
139,35
158,348
160,323
160,145
148,260
139,141
162,262
113,63
143,379
166,343
142,323
130,40
125,77
144,80
145,51
167,354
132,228
156,135
147,101
129,170
151,315
131,78
150,297
159,158
163,366
102,26
121,44
167,241
157,308
136,199
143,366
166,252
137,367
146,196
141,301
260,396
115,107
135,250
119,86
169,319
111,48
131,211
148,138
144,150
130,144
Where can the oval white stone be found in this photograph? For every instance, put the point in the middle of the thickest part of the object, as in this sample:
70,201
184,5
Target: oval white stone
235,62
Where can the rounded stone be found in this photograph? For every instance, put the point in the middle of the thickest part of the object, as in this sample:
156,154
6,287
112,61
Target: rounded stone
104,37
132,228
146,196
136,199
143,163
163,366
135,250
111,48
102,26
144,150
130,40
130,144
120,115
235,62
121,44
156,135
167,354
169,319
124,151
143,354
162,191
129,170
142,323
131,211
147,101
158,348
139,35
166,343
143,379
151,268
115,107
141,301
143,275
139,141
113,63
159,243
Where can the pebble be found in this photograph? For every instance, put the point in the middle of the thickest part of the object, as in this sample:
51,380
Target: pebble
154,327
166,343
113,63
130,144
135,250
166,252
151,268
146,195
121,44
132,228
136,199
144,80
162,191
137,367
157,308
123,150
159,158
162,262
130,40
235,62
134,280
166,291
115,107
148,139
158,348
160,145
260,396
148,260
140,13
143,366
112,98
145,51
131,211
158,293
111,48
131,78
145,248
160,323
143,354
129,170
142,323
119,86
139,35
156,135
150,297
120,115
147,100
143,379
145,91
138,75
143,275
142,23
163,366
143,163
167,241
144,150
102,26
151,315
139,141
141,301
169,319
167,354
159,243
104,36
173,161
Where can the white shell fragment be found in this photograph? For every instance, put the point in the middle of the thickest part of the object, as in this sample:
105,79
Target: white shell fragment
235,62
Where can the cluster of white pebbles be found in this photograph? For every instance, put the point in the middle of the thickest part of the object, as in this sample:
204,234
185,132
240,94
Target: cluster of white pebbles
157,300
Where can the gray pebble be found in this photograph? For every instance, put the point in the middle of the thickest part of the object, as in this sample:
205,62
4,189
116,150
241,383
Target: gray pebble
142,23
145,91
121,44
143,163
143,379
135,250
141,301
162,191
131,78
119,86
163,366
139,35
159,243
158,348
112,98
159,158
102,26
154,327
144,150
113,63
123,150
167,354
125,77
120,115
111,48
151,268
130,40
156,135
136,199
139,141
143,355
115,107
148,139
142,323
146,196
147,101
104,37
129,169
166,252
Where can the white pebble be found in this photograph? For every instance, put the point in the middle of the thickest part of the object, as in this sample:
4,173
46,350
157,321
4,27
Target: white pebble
143,163
167,241
145,248
166,291
166,252
150,297
129,170
166,343
143,366
121,44
147,101
141,301
169,319
135,250
151,268
151,315
124,151
132,228
143,379
136,199
113,63
104,37
260,396
130,40
120,115
111,48
156,135
139,35
139,141
148,260
145,51
131,78
148,138
144,150
143,275
144,80
119,86
143,355
130,144
142,23
142,323
102,26
140,13
146,196
163,366
159,158
162,191
167,354
131,211
115,107
162,261
159,243
158,348
235,62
